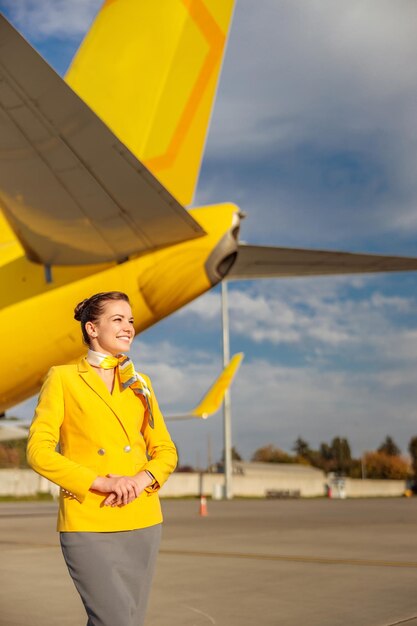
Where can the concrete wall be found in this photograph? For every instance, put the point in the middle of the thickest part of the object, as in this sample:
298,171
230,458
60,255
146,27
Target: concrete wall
252,481
16,482
249,486
364,488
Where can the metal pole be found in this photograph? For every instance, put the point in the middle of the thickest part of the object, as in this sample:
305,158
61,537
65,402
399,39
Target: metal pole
227,418
209,454
363,467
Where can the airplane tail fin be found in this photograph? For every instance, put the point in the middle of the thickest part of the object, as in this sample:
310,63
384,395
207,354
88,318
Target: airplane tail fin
150,71
214,397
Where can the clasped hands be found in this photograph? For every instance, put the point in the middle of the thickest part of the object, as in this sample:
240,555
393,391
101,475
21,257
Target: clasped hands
121,490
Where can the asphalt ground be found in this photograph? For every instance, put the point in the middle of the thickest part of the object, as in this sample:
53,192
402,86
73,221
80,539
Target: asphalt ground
248,563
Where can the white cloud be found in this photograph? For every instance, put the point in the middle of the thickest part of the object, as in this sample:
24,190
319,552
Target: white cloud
315,123
56,18
299,68
320,313
172,369
274,404
207,307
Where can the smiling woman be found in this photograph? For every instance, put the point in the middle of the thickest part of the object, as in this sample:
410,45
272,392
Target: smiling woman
97,313
107,327
114,454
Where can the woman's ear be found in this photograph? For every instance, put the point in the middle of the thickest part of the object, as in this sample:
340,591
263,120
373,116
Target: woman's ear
90,329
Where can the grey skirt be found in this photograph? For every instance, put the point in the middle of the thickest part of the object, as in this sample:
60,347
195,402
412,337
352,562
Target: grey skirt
112,572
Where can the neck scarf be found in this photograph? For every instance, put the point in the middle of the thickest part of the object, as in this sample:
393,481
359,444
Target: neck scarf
127,374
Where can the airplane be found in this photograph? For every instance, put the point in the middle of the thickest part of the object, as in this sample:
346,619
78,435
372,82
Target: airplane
97,172
208,405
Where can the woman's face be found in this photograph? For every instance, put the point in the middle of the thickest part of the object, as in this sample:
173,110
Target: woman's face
113,332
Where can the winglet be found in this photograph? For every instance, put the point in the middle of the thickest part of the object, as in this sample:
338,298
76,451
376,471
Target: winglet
214,397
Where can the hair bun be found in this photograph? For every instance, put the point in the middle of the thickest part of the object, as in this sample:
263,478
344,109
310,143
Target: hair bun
80,308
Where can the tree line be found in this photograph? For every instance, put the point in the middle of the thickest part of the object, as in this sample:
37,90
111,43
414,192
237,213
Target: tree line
384,462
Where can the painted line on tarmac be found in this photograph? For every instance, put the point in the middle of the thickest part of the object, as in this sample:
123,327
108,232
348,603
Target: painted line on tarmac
258,557
293,559
209,617
27,544
18,515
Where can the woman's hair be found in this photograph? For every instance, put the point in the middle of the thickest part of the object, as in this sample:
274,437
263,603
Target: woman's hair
90,309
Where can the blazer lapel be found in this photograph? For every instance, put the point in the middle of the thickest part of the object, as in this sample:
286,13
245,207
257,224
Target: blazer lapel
95,383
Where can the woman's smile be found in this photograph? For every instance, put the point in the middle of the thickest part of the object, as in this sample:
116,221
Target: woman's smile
114,331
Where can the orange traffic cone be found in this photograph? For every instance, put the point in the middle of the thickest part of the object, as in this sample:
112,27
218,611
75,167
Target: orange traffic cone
203,506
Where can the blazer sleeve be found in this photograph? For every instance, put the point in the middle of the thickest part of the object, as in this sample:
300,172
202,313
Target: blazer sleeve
159,445
43,439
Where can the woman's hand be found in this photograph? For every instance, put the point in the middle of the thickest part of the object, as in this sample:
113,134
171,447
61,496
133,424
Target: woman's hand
121,489
142,480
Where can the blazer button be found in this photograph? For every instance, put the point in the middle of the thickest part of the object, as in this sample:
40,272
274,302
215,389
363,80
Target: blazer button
127,448
101,451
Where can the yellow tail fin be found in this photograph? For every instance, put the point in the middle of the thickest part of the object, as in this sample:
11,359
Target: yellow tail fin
149,69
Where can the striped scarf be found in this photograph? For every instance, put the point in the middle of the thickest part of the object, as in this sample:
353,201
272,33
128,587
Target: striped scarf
127,374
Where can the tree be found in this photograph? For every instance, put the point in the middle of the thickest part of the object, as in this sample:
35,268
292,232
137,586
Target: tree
335,457
13,453
341,455
382,465
301,448
412,448
326,452
356,469
235,455
271,454
389,447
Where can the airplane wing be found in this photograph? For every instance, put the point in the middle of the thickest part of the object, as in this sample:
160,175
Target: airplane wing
9,433
72,192
212,400
270,262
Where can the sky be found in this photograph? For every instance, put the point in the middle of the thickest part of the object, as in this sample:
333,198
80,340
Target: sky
314,136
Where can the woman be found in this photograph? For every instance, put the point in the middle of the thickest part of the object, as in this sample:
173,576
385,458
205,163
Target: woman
114,454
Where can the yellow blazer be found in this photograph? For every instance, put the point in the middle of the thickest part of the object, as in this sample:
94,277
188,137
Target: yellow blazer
98,433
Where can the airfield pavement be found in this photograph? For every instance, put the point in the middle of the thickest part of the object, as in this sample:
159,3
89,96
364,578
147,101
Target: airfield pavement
249,563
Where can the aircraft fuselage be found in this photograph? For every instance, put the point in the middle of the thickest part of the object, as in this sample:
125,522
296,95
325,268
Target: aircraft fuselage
36,319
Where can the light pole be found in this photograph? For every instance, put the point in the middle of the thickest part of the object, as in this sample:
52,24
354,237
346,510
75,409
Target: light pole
363,466
227,417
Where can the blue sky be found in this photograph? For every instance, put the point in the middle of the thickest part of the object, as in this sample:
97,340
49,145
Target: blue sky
314,135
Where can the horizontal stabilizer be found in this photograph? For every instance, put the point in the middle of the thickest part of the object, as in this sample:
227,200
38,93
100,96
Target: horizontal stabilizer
270,262
72,192
214,397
